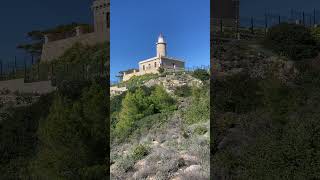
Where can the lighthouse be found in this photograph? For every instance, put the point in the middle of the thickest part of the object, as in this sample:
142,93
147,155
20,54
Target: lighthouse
161,46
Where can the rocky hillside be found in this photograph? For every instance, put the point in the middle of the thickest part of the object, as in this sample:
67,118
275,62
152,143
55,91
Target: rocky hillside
169,81
265,111
169,144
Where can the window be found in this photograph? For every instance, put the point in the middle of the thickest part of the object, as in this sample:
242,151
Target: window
155,64
143,67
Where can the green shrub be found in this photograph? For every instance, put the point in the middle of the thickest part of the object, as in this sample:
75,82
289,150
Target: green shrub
139,152
161,70
239,94
141,103
162,101
200,130
201,74
291,40
135,106
137,81
183,91
199,110
315,32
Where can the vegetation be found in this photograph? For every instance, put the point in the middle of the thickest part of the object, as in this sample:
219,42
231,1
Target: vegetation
63,135
267,127
183,91
77,130
293,41
201,74
139,104
136,81
199,110
18,129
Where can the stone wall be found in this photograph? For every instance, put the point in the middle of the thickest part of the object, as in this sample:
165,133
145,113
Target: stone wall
53,50
18,85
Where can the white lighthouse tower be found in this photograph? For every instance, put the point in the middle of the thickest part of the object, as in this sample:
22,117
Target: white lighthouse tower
161,46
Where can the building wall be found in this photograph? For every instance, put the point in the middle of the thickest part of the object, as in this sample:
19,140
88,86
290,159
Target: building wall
101,10
150,66
168,63
154,66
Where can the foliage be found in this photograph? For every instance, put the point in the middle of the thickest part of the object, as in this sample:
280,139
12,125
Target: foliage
200,130
283,134
291,40
161,70
183,91
139,104
137,81
315,32
161,100
199,110
73,137
139,152
201,74
18,137
239,94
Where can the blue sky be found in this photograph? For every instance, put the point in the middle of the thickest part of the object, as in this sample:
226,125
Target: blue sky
259,7
135,27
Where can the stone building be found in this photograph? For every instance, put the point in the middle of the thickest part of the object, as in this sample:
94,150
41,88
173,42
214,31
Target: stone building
153,64
54,47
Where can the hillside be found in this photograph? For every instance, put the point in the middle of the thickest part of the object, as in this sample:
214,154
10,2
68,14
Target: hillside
60,135
265,107
169,136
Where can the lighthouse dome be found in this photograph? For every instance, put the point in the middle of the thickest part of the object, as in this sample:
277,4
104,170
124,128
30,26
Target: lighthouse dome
161,39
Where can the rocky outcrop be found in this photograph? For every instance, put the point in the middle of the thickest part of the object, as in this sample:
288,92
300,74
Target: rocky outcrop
171,82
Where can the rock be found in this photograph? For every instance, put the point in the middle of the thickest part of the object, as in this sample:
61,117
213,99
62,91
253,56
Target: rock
192,168
189,158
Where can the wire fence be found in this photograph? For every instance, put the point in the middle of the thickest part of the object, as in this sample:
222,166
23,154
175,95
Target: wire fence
55,72
257,26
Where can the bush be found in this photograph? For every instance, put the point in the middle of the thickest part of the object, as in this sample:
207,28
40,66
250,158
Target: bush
161,70
139,152
183,91
201,74
162,101
141,103
291,40
200,130
315,32
199,110
238,94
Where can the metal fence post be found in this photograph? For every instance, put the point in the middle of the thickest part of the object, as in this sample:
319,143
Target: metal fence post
314,16
252,32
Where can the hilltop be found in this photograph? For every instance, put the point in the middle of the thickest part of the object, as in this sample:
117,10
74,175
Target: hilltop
169,136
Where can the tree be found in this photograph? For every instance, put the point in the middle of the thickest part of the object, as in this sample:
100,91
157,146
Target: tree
73,138
201,74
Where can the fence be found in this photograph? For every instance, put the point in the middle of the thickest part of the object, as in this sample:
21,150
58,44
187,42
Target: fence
171,71
249,27
56,72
